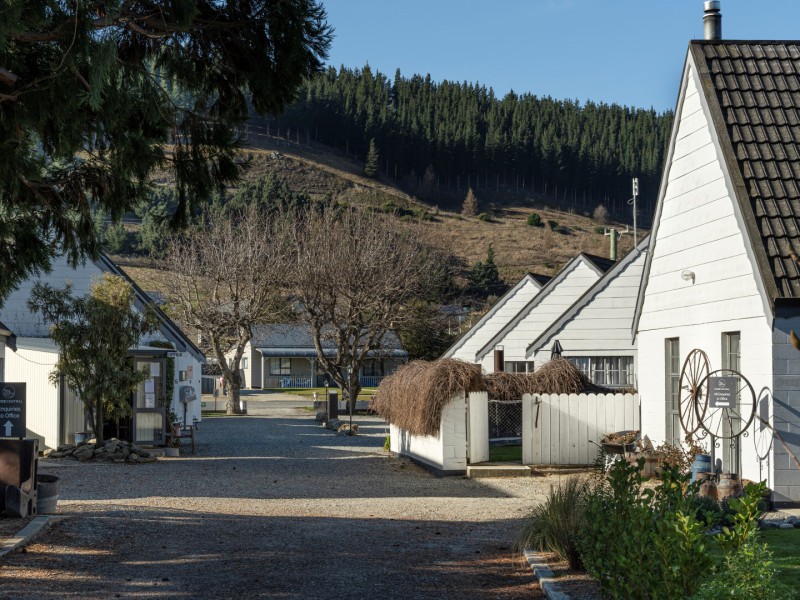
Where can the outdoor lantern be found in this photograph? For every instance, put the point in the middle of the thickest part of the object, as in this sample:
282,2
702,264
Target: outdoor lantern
555,351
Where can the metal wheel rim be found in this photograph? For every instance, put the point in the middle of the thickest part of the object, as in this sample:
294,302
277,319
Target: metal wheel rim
746,407
694,395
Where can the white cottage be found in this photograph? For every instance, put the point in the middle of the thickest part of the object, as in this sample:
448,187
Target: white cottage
594,333
516,334
498,316
722,272
53,411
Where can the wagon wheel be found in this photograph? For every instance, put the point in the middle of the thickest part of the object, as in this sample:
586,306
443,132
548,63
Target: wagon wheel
694,395
762,438
730,421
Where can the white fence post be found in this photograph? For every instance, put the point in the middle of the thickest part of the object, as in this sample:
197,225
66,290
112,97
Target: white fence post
478,427
529,429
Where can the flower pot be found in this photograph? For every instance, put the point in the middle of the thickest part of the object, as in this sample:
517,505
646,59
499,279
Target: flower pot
47,494
172,452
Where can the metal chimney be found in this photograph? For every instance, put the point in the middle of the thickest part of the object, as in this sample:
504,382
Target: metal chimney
712,20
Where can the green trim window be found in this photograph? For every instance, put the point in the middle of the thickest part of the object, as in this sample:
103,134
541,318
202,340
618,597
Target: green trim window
280,366
672,380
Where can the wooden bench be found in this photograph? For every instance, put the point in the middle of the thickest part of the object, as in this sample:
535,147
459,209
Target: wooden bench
184,433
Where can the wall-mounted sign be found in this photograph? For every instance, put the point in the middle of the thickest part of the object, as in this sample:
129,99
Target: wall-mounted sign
174,354
12,410
722,392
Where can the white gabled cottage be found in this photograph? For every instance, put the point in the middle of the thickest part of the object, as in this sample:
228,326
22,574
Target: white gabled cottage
54,413
498,316
569,284
722,272
594,333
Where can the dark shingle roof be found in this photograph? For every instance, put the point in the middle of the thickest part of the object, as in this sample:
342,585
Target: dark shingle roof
753,89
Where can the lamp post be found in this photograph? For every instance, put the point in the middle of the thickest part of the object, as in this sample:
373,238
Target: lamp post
327,399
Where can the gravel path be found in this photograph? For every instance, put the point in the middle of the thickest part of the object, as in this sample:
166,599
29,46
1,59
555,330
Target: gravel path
272,506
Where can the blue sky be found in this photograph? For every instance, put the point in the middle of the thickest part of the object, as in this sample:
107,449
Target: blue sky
623,51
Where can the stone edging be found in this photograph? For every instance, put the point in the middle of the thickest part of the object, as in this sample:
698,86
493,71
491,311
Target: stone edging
26,534
544,576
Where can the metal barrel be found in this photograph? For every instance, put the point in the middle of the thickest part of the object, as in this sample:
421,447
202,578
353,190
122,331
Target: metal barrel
701,464
47,498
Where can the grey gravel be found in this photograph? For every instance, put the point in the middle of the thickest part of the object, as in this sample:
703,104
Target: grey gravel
273,505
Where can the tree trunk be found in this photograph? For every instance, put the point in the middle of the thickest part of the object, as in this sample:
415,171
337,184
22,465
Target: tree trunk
233,406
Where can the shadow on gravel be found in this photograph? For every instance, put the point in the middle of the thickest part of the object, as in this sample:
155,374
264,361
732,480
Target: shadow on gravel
176,554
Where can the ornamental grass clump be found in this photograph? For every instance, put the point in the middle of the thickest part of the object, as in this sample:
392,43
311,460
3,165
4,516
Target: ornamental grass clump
554,525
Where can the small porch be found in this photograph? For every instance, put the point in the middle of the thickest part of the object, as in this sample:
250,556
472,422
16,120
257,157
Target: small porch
299,368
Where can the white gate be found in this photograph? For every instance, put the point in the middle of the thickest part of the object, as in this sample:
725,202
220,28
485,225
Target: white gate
556,429
478,436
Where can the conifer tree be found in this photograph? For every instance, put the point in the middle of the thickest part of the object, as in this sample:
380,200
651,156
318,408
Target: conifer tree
85,109
371,166
484,280
470,206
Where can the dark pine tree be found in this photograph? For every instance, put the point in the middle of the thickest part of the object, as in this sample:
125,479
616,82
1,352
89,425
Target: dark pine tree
373,160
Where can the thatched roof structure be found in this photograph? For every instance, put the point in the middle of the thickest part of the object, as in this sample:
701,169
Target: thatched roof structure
415,396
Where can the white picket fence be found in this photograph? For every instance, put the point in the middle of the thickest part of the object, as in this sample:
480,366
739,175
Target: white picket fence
556,429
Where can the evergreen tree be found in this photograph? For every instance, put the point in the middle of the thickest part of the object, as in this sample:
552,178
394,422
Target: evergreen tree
372,163
470,206
484,280
115,238
85,111
155,232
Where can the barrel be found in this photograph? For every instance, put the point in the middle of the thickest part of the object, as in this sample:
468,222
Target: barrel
701,464
729,486
708,486
47,497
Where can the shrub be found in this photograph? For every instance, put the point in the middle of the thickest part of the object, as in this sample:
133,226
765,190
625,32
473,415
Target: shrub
707,510
485,217
625,523
534,220
554,525
601,230
600,214
553,224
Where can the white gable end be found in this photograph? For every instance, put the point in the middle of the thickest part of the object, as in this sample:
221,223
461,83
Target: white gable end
558,299
481,333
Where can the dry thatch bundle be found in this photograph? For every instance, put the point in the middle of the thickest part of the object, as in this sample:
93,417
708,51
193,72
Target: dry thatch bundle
558,376
415,396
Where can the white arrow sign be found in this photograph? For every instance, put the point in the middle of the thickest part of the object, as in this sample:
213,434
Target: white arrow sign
9,427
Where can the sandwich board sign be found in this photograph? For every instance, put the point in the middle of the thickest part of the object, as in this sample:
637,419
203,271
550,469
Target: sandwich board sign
12,410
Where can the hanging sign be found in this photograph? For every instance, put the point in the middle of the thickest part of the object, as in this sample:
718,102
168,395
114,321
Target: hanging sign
12,410
722,392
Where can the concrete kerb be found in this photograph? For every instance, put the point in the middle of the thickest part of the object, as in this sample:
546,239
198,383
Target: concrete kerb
543,574
27,533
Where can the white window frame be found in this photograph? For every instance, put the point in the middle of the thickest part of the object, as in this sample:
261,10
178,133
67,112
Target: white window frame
284,365
608,371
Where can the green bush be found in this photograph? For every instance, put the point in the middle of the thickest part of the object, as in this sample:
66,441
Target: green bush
746,570
707,510
643,543
554,525
534,220
553,224
600,230
485,217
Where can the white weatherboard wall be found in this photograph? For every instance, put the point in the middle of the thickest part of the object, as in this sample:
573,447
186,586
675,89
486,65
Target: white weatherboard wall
603,326
557,429
559,299
41,401
481,333
447,452
699,231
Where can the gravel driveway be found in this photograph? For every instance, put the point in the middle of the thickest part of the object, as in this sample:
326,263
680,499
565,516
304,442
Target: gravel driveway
272,506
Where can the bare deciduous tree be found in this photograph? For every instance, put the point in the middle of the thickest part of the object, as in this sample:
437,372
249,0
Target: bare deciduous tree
224,281
357,275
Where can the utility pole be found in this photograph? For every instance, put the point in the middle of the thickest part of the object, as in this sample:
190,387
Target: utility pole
633,201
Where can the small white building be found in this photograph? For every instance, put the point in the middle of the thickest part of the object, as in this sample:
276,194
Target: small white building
497,317
53,411
594,333
538,313
722,272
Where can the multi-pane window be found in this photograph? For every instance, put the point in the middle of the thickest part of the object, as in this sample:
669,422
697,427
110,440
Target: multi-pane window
518,366
372,368
609,371
672,377
280,366
731,359
245,363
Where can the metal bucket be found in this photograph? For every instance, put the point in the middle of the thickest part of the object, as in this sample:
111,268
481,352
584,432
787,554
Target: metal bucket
701,464
47,498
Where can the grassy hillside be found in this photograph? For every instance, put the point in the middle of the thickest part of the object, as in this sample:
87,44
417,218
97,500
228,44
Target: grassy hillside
518,246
